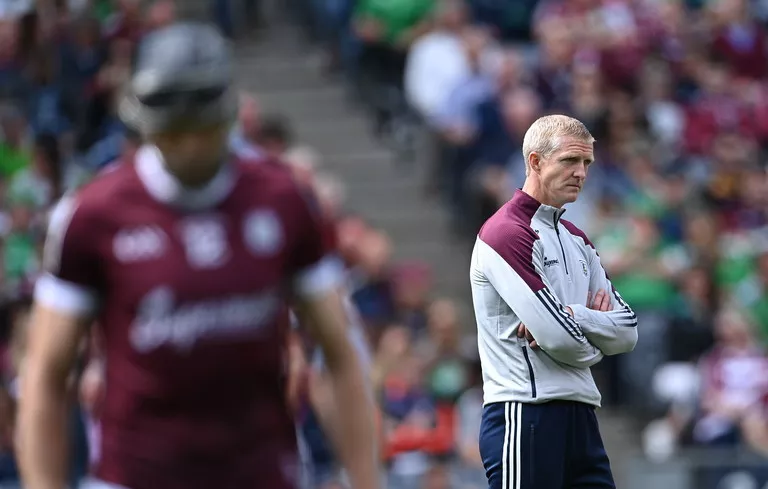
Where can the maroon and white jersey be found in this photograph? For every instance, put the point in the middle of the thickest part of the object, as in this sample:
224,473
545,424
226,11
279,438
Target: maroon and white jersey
190,290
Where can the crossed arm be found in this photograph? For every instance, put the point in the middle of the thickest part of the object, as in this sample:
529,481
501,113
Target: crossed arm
612,344
573,334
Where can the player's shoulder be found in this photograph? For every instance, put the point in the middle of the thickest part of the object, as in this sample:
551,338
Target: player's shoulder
98,198
576,232
275,179
263,167
108,184
508,228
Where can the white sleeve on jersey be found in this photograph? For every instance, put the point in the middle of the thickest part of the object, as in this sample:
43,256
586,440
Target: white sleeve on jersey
62,255
63,296
320,278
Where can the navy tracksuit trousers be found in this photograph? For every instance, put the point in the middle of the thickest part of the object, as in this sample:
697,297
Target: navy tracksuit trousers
554,445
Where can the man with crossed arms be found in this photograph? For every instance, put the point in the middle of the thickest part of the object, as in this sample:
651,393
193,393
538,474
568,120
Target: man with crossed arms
546,311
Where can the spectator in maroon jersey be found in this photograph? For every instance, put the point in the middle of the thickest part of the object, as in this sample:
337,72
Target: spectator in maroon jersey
715,110
739,39
734,379
126,23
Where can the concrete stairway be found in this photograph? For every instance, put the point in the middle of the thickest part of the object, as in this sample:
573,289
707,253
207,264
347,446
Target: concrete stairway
285,73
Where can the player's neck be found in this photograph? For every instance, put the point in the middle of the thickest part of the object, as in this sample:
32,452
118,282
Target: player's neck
199,190
534,190
194,178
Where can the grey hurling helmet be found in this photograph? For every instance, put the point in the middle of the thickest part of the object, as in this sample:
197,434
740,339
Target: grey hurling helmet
182,79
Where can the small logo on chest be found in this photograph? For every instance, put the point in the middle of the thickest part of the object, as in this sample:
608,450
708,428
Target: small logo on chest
205,242
262,232
584,267
139,244
550,263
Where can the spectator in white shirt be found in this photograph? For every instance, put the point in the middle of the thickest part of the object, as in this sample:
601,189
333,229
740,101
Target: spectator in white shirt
498,71
13,9
438,61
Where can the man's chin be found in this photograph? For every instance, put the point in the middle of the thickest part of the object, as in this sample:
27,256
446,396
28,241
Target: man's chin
571,195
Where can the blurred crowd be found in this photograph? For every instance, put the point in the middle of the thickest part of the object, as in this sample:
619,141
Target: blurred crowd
674,91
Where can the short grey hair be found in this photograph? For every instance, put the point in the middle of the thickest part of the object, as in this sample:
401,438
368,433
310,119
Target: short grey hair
543,137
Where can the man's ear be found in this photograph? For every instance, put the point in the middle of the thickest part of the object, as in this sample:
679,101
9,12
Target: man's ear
534,162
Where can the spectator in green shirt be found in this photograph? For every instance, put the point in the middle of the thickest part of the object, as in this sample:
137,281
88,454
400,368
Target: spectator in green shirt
393,22
14,154
20,251
40,181
386,30
752,294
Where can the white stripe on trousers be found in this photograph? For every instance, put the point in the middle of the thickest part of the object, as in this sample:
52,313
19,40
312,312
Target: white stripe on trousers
511,466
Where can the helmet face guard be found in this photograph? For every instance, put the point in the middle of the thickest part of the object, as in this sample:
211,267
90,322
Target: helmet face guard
182,81
190,115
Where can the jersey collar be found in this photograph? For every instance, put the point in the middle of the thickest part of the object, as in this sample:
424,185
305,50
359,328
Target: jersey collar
536,210
165,188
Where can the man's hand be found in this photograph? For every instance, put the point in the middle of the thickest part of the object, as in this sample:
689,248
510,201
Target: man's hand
522,331
602,301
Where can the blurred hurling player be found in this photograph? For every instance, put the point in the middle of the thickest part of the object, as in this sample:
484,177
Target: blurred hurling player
187,260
